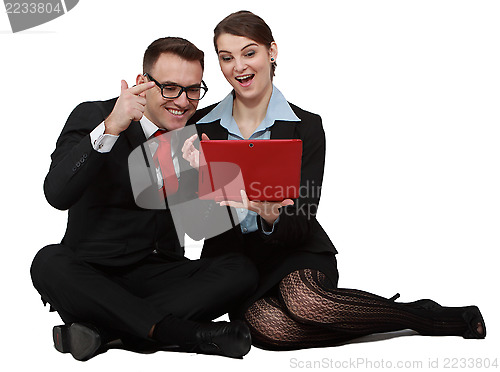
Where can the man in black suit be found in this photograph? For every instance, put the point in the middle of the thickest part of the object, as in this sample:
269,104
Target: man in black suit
120,270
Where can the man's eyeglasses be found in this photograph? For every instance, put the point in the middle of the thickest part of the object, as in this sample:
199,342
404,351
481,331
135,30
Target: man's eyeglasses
172,90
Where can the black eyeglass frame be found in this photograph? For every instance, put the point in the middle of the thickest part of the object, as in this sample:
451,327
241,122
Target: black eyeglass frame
203,88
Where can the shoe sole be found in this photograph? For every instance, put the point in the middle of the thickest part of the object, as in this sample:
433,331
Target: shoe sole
81,341
60,337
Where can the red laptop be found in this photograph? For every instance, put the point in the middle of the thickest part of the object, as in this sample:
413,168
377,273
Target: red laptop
268,170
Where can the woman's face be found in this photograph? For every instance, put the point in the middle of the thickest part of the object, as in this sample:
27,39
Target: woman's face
246,65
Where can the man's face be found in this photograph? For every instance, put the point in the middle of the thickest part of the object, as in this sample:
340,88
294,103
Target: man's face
166,113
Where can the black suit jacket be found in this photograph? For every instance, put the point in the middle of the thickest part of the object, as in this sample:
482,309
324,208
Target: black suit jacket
298,227
105,225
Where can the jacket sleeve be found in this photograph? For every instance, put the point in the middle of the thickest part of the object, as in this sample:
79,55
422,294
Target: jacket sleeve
297,222
74,162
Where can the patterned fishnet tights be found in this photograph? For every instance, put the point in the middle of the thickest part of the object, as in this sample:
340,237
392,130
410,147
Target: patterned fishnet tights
311,313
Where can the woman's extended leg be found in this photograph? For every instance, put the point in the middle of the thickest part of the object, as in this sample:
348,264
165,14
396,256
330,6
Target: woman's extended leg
309,301
311,313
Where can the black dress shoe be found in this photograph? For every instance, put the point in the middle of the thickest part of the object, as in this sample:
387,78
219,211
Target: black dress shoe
83,341
230,339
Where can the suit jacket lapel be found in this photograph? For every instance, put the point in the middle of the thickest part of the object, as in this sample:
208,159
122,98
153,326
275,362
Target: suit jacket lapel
213,130
283,130
135,134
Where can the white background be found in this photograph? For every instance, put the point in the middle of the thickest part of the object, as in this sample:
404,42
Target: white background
409,95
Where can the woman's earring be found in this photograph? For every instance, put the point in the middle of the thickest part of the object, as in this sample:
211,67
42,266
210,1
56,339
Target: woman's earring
272,59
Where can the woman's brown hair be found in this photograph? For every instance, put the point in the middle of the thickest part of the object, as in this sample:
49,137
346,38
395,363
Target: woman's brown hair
246,24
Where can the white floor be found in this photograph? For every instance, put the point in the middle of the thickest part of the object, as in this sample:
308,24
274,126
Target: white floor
27,329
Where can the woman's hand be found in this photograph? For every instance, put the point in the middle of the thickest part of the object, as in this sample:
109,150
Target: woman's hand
191,153
269,211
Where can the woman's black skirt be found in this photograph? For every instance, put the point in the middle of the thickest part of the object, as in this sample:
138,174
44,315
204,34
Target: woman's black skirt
275,262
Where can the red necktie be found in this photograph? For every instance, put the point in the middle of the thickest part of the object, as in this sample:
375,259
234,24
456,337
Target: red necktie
163,157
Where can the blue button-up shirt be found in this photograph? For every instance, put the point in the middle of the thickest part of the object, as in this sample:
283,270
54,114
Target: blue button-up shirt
278,109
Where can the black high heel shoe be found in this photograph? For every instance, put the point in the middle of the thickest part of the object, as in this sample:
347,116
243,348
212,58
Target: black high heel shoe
476,328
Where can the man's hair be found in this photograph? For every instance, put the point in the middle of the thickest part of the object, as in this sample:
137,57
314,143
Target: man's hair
249,25
174,45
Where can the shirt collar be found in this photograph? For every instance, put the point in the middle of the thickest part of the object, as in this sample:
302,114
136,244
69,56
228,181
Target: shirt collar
278,109
148,127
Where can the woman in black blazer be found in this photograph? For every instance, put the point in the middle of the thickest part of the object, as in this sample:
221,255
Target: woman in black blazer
298,304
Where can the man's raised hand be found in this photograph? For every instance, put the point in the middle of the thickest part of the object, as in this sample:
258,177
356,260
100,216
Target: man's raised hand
129,107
